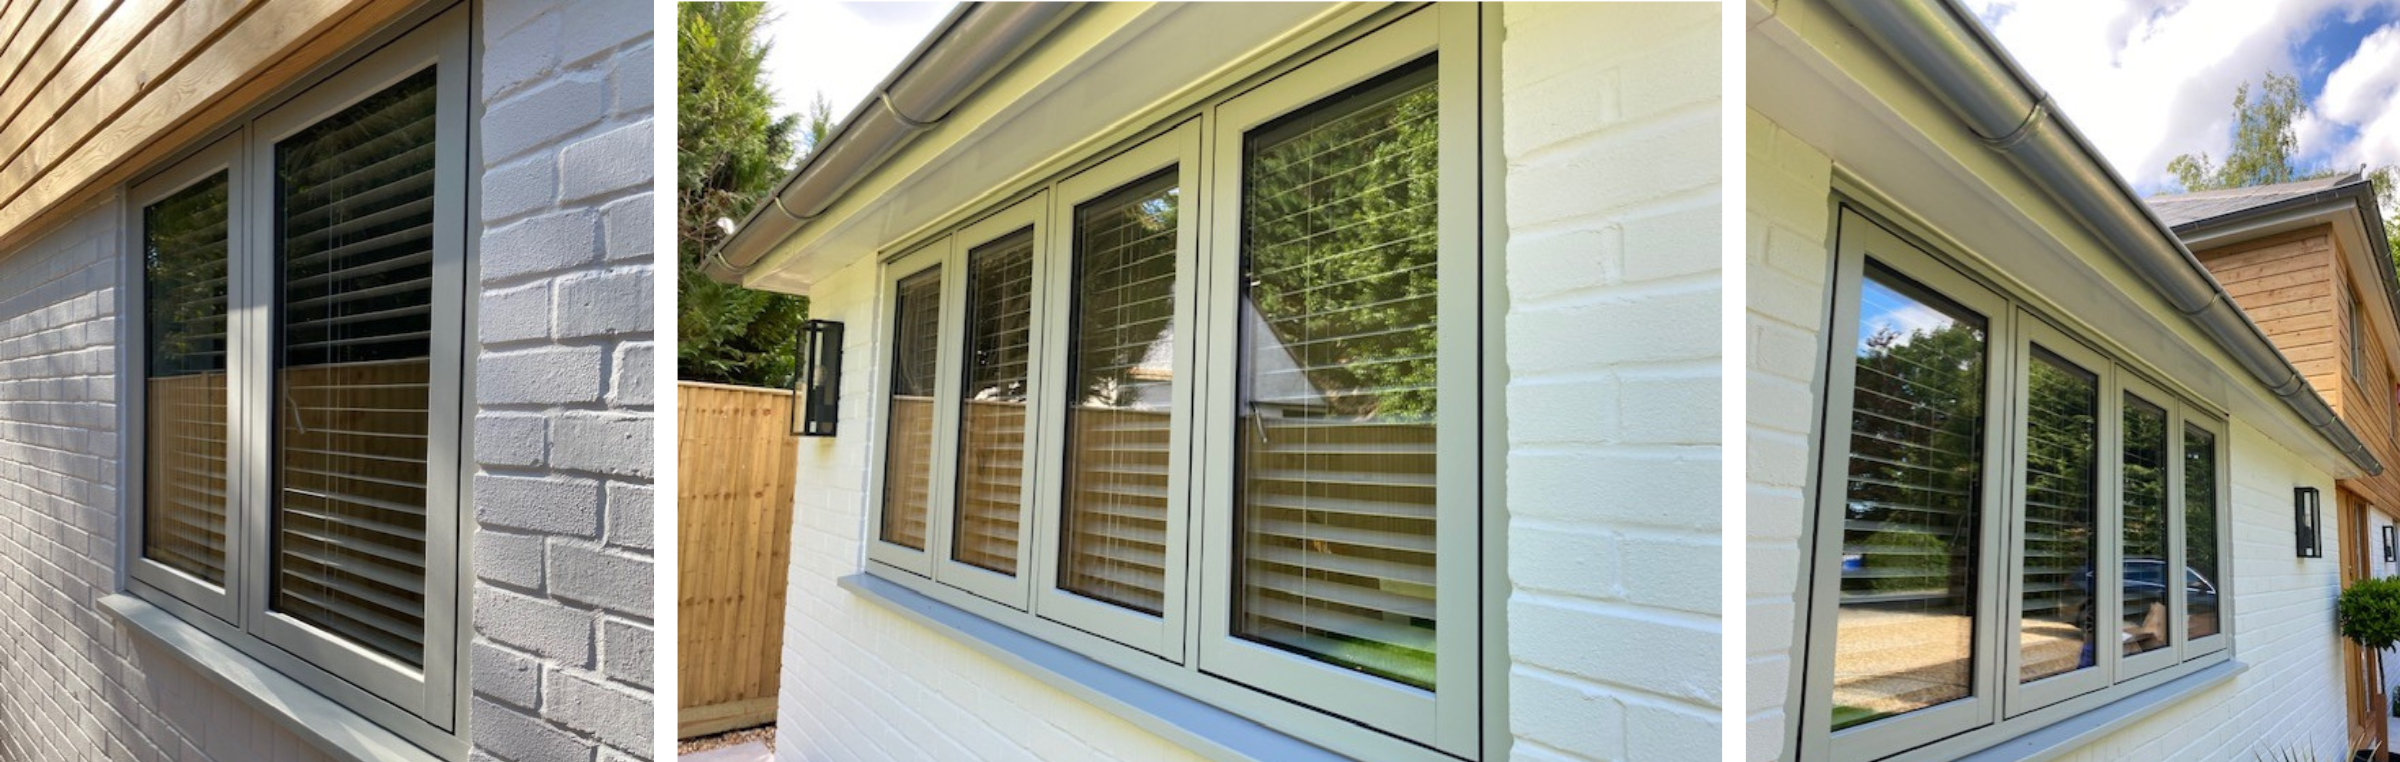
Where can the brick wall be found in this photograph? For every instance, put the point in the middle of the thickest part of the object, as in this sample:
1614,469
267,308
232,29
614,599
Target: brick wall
1611,124
561,664
1788,268
73,685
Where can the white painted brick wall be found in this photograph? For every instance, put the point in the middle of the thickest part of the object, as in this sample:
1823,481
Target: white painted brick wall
1787,265
2290,698
1611,118
73,686
563,550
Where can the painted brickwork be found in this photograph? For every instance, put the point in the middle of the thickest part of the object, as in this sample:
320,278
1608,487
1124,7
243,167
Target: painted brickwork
1611,121
2288,698
561,664
74,685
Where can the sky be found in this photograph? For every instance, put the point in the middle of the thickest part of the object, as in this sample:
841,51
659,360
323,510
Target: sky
2149,79
840,49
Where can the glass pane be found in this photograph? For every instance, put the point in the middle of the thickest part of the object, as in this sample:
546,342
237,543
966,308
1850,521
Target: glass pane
991,438
1335,534
1121,373
354,247
908,449
2200,530
2062,439
2145,614
1905,631
184,272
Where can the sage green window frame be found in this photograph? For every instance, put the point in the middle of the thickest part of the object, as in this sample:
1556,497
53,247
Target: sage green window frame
223,602
933,257
1026,216
422,704
1998,709
1340,711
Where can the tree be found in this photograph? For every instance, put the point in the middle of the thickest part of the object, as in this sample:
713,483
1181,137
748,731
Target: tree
730,149
2264,140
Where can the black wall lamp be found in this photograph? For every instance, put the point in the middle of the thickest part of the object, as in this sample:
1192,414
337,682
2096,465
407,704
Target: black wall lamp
2305,524
817,386
2391,537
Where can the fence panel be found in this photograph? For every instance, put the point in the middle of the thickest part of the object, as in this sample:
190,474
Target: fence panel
735,458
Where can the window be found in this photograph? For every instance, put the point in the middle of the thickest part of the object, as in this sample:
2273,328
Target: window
303,301
1247,422
2015,527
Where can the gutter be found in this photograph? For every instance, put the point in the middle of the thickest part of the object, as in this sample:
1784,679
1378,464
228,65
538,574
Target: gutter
976,41
1966,69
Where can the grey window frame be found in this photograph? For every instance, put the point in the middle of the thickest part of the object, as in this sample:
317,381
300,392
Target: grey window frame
423,705
1165,650
1996,712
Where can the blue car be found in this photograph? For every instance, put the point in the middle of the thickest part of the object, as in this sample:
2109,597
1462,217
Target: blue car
2145,583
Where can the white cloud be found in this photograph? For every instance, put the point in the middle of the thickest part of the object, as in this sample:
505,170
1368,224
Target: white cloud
841,49
2363,93
2149,79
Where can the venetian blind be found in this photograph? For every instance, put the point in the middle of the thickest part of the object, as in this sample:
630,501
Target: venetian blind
1120,395
1335,530
1904,633
354,237
991,439
184,266
2062,440
908,446
2145,527
2200,531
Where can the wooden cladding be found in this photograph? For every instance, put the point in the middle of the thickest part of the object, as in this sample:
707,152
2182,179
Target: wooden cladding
92,92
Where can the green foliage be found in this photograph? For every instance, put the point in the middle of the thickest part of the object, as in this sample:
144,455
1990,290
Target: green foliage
2369,613
2263,141
730,149
1916,460
2264,138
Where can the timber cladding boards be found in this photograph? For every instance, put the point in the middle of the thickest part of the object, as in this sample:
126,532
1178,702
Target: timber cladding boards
95,91
2298,286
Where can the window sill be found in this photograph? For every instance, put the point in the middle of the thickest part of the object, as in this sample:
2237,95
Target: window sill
337,731
2057,739
1202,727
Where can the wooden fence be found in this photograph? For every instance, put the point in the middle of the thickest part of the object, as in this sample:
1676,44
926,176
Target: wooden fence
735,457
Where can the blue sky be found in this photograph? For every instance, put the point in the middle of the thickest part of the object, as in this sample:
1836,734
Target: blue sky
2149,79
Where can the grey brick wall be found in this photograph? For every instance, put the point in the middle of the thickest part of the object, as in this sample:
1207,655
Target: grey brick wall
563,623
73,685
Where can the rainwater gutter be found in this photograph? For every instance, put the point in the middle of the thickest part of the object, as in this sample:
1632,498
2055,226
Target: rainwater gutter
976,41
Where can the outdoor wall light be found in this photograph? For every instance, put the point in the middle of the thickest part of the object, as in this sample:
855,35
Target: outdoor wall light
817,387
2391,543
2304,522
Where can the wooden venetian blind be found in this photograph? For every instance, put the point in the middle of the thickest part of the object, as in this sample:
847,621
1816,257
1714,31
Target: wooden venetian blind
908,450
1120,397
2061,521
2145,527
991,439
185,266
1336,529
354,236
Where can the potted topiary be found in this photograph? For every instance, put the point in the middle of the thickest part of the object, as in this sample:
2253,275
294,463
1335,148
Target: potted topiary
2368,614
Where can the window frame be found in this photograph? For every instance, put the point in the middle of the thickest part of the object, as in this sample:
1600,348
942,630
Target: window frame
1457,431
1028,215
2018,697
220,601
424,705
1184,136
934,257
1164,635
1896,739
